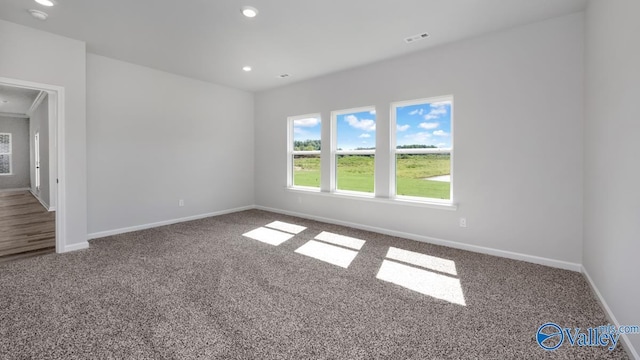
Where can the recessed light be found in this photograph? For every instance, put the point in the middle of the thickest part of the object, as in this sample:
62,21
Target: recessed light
40,15
246,68
45,2
249,11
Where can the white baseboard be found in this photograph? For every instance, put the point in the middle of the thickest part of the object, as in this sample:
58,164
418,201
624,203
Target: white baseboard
102,234
16,189
452,244
46,206
625,338
74,247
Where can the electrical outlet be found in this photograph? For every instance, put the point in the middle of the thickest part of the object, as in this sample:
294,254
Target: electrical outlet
181,202
463,222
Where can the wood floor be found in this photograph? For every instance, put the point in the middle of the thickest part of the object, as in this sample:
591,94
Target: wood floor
26,227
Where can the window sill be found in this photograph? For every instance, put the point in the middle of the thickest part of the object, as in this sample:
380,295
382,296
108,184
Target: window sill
370,198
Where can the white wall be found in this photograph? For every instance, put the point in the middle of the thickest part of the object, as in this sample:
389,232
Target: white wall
612,174
41,57
39,123
154,138
19,129
518,141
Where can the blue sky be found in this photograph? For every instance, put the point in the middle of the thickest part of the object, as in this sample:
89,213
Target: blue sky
306,129
356,130
424,124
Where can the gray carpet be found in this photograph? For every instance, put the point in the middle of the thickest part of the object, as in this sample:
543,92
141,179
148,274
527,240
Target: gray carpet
200,290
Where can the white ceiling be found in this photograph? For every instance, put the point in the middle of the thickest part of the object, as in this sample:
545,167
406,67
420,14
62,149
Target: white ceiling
210,39
18,100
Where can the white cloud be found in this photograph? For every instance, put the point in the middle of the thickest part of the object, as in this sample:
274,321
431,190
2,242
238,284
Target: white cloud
372,112
429,125
441,145
437,109
308,122
364,124
364,136
402,127
417,112
440,104
440,133
435,113
418,138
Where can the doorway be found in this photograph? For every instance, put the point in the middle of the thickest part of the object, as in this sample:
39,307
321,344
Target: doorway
50,145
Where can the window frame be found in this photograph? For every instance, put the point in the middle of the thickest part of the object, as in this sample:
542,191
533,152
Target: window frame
10,154
291,152
394,151
335,152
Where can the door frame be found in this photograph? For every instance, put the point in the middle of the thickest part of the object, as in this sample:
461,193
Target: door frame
36,159
56,151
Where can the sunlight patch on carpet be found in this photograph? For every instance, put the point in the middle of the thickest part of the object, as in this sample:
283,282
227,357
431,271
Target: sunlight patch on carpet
346,241
268,236
328,253
425,282
426,261
425,274
283,226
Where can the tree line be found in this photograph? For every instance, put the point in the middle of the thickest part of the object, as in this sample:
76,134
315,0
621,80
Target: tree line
315,145
306,145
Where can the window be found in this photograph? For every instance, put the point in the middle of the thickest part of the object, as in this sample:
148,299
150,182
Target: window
418,167
423,147
354,147
304,151
5,154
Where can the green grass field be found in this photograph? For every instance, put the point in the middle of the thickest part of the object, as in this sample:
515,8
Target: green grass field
355,173
306,170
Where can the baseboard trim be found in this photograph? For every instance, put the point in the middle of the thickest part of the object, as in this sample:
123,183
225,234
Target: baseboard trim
16,189
75,247
35,195
626,343
431,240
101,234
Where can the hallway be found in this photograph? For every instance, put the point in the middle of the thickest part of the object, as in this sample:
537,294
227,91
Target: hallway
26,227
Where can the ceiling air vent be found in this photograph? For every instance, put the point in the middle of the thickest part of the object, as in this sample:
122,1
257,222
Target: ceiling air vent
415,38
283,76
